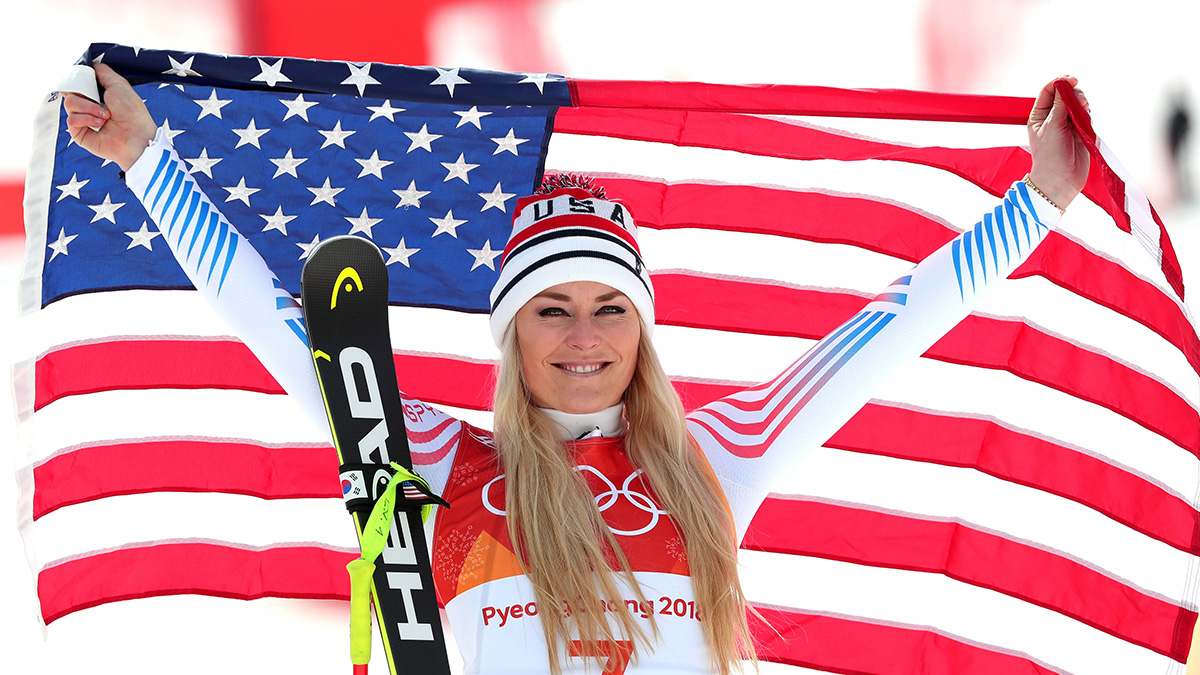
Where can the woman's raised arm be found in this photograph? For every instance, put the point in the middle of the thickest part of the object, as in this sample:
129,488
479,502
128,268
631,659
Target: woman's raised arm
753,436
222,264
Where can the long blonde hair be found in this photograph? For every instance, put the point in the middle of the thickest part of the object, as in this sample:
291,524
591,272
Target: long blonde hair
562,540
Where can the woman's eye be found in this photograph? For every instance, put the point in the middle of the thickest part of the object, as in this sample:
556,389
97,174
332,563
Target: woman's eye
611,309
552,311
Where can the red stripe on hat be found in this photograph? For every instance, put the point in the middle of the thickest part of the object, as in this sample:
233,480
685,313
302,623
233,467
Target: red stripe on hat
569,220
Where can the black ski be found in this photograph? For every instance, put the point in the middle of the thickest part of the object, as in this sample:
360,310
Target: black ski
344,290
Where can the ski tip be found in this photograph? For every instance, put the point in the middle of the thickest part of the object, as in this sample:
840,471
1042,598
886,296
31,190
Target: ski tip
346,244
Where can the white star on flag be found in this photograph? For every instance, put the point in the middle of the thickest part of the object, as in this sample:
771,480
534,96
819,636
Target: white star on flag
71,187
272,75
335,136
458,169
400,254
540,79
421,139
249,135
325,193
169,132
449,225
495,199
211,105
297,107
360,76
449,78
484,256
240,192
181,69
277,221
106,209
471,116
142,237
385,110
60,245
363,223
287,164
410,196
307,248
373,165
508,143
203,164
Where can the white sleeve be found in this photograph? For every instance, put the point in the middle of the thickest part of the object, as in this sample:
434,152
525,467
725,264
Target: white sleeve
754,435
229,273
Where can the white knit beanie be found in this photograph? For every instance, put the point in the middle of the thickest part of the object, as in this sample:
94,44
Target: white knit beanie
568,235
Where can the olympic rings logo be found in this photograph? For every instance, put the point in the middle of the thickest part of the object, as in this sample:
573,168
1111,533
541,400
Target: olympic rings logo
604,501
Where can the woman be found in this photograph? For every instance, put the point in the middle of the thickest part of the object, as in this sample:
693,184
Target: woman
593,464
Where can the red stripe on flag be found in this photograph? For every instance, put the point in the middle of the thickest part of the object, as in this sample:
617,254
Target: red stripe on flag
12,194
693,300
184,465
1017,456
683,300
876,225
991,169
898,231
113,364
960,551
445,380
1104,183
953,440
802,100
1170,261
840,644
1072,266
193,567
1028,352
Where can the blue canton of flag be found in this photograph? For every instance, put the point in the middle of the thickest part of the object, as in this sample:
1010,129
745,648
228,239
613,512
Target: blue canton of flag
296,151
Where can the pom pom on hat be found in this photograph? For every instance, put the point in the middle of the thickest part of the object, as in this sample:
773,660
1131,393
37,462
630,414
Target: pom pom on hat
557,181
567,231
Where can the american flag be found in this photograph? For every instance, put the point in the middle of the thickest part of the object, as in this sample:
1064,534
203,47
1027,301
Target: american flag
1021,499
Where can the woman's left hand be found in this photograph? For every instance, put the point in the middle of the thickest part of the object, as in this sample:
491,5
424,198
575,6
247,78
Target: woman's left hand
1060,158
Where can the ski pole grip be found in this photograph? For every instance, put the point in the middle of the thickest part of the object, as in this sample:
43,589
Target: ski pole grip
361,572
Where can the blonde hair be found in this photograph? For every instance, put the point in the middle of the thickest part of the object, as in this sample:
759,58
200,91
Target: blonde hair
562,540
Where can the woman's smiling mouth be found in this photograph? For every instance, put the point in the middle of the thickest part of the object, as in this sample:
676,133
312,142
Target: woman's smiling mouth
581,369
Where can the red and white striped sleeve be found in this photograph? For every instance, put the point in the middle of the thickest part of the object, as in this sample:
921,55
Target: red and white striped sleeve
755,435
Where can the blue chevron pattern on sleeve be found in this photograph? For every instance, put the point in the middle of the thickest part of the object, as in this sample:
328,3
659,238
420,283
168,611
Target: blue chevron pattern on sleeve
976,252
285,302
175,195
896,293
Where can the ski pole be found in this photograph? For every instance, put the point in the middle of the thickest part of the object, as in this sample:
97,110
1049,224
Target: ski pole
362,569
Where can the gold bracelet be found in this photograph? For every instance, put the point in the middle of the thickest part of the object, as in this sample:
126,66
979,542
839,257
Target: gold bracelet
1043,194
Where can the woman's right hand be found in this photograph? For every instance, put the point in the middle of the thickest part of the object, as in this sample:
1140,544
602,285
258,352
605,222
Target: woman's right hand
118,130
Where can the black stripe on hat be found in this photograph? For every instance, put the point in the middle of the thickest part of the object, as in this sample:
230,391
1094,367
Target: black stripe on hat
550,235
567,255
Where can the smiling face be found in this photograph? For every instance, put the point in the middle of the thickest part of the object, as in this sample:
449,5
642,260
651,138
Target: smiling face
579,345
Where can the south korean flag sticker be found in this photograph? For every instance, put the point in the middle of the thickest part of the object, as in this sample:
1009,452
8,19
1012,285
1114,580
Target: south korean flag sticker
354,488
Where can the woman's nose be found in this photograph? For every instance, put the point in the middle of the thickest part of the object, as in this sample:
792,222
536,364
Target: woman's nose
584,332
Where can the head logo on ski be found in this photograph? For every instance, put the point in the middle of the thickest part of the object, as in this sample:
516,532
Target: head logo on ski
344,293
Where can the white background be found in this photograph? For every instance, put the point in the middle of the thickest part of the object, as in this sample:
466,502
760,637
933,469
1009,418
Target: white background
1128,59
